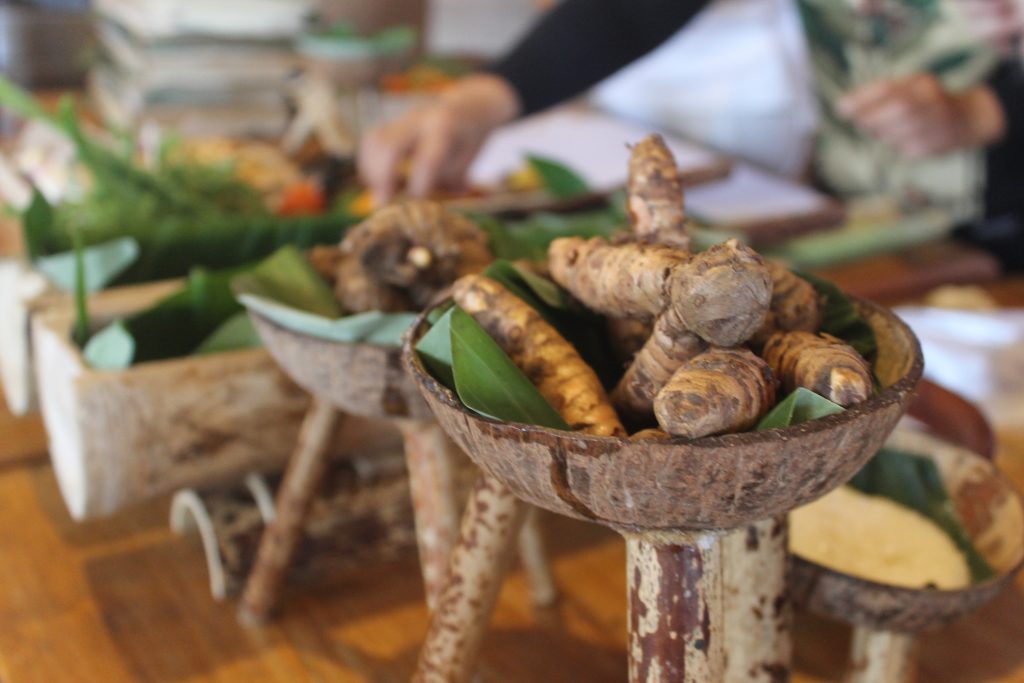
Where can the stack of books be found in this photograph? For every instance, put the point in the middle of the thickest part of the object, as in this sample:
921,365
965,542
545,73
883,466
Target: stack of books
204,67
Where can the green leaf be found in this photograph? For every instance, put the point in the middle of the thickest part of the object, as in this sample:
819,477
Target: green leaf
20,101
557,178
841,318
915,482
435,349
237,332
36,223
374,327
800,406
489,383
530,238
82,322
103,264
112,348
288,278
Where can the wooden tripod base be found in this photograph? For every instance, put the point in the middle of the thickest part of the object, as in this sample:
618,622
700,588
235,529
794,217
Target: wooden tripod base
432,464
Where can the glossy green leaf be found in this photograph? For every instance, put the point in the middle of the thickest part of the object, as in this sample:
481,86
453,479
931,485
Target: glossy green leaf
237,332
915,482
288,278
112,348
103,264
800,406
36,223
529,238
435,349
841,318
557,178
489,383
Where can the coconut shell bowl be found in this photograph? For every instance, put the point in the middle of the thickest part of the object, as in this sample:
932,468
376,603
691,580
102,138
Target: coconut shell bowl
675,502
366,380
886,618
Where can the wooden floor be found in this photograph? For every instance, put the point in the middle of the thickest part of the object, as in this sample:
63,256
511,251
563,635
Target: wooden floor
124,600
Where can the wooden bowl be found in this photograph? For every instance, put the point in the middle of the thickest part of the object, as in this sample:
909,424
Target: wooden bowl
994,519
713,482
359,379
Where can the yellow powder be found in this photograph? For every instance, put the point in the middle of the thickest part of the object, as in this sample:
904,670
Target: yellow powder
875,538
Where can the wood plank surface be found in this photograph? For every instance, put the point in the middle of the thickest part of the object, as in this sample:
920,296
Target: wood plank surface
122,599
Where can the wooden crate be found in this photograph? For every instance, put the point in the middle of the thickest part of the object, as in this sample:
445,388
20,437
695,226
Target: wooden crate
119,437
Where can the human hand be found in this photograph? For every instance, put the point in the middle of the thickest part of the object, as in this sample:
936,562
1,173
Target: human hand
1000,22
436,142
920,118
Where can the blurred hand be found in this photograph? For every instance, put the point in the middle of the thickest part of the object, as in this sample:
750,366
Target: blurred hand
920,118
435,144
1000,22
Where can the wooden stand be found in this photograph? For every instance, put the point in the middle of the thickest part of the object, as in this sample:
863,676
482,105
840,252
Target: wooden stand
881,657
363,379
668,498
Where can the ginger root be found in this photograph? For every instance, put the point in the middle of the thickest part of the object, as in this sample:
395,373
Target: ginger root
720,297
821,363
655,192
795,305
550,362
719,391
418,247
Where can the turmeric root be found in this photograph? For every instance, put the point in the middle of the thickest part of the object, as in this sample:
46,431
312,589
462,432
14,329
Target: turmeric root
551,363
721,294
719,391
628,335
661,355
795,304
821,363
418,246
326,259
655,192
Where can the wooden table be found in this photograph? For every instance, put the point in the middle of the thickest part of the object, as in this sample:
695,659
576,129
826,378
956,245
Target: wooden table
122,599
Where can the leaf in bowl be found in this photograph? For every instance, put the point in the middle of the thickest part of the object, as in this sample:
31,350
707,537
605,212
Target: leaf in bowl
841,319
800,406
557,178
103,264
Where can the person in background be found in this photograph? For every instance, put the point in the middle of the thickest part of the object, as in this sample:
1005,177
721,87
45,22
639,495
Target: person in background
1001,22
912,106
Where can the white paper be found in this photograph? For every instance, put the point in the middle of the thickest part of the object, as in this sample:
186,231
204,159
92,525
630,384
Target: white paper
749,194
592,144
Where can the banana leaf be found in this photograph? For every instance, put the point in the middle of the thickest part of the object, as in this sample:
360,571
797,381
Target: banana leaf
529,238
800,406
174,327
286,289
435,349
103,264
237,332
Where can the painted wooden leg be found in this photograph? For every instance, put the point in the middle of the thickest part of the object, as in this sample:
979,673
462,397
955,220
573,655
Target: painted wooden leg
758,614
675,607
478,566
431,459
881,656
281,537
543,589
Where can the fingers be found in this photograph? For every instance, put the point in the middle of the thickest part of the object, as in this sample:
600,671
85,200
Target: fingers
433,147
381,153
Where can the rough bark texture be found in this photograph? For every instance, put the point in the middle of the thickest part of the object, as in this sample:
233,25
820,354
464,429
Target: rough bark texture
993,518
655,193
717,392
821,363
713,482
433,462
361,514
478,566
758,610
881,657
282,536
550,362
675,607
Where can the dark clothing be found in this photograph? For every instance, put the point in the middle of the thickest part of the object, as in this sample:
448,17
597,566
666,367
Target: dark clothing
581,42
